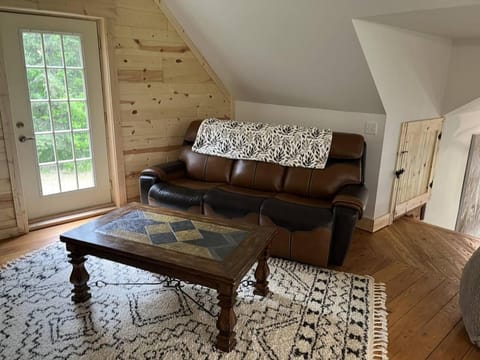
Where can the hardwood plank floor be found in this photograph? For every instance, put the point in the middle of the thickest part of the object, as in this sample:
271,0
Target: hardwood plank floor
420,264
13,248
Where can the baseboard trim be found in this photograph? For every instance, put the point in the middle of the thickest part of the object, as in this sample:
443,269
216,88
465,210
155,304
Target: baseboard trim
69,217
373,225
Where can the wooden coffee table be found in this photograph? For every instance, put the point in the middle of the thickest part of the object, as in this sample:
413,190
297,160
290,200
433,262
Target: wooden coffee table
193,248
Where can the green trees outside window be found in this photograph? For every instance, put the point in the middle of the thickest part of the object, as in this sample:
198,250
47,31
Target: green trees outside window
56,84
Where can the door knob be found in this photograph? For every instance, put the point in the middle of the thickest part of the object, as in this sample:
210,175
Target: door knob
23,138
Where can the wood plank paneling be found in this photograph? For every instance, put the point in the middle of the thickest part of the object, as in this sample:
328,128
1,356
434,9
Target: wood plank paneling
468,220
131,60
142,75
5,186
145,5
129,32
174,25
8,222
5,198
135,16
9,226
416,157
183,70
162,86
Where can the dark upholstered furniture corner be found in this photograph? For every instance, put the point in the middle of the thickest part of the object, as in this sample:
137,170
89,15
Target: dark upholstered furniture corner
315,211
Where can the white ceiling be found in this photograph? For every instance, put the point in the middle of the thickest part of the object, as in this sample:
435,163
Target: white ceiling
297,52
455,23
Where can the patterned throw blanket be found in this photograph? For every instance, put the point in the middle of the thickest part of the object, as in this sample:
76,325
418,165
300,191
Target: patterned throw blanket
287,145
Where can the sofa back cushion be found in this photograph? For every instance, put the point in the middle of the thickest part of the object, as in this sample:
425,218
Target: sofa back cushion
346,146
191,133
206,167
257,175
344,167
322,183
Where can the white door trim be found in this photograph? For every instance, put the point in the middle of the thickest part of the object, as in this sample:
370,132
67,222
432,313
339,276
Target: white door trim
111,101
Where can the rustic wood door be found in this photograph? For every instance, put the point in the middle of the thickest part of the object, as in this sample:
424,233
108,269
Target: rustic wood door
415,168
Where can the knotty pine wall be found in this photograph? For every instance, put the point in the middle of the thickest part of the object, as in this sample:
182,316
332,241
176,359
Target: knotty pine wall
8,222
162,86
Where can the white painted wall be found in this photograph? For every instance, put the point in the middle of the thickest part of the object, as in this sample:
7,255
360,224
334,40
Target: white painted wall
336,120
464,74
410,71
463,86
459,126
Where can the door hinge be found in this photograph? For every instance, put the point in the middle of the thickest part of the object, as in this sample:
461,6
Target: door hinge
440,136
431,184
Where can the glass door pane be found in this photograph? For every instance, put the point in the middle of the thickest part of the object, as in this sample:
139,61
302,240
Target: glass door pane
59,109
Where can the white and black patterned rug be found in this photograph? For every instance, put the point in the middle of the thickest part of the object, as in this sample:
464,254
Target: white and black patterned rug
312,314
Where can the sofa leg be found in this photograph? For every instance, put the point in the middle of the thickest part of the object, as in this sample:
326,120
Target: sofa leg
344,220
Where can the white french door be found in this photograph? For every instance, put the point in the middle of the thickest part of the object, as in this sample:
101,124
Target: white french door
54,85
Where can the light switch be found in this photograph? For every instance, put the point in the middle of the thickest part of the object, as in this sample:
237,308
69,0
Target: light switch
370,128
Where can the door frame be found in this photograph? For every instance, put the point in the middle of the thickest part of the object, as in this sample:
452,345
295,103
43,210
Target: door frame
110,99
399,160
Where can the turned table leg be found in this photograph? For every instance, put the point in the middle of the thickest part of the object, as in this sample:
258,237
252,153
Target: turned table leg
261,274
79,277
226,320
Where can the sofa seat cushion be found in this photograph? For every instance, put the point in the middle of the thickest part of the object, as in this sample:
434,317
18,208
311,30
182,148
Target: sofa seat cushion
235,202
181,194
304,227
302,200
298,213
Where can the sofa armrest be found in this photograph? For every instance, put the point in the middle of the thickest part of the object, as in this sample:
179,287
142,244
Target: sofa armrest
161,172
353,197
166,171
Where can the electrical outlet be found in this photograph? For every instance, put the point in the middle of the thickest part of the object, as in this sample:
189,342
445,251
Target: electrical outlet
370,128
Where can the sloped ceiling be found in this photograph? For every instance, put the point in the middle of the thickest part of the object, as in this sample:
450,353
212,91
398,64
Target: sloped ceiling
462,22
298,53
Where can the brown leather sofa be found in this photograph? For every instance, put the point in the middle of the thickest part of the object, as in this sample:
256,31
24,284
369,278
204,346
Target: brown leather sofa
315,211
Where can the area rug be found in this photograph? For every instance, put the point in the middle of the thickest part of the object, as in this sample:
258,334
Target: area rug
313,313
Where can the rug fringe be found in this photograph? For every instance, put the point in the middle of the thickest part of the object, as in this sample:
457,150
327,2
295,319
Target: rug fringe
379,347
